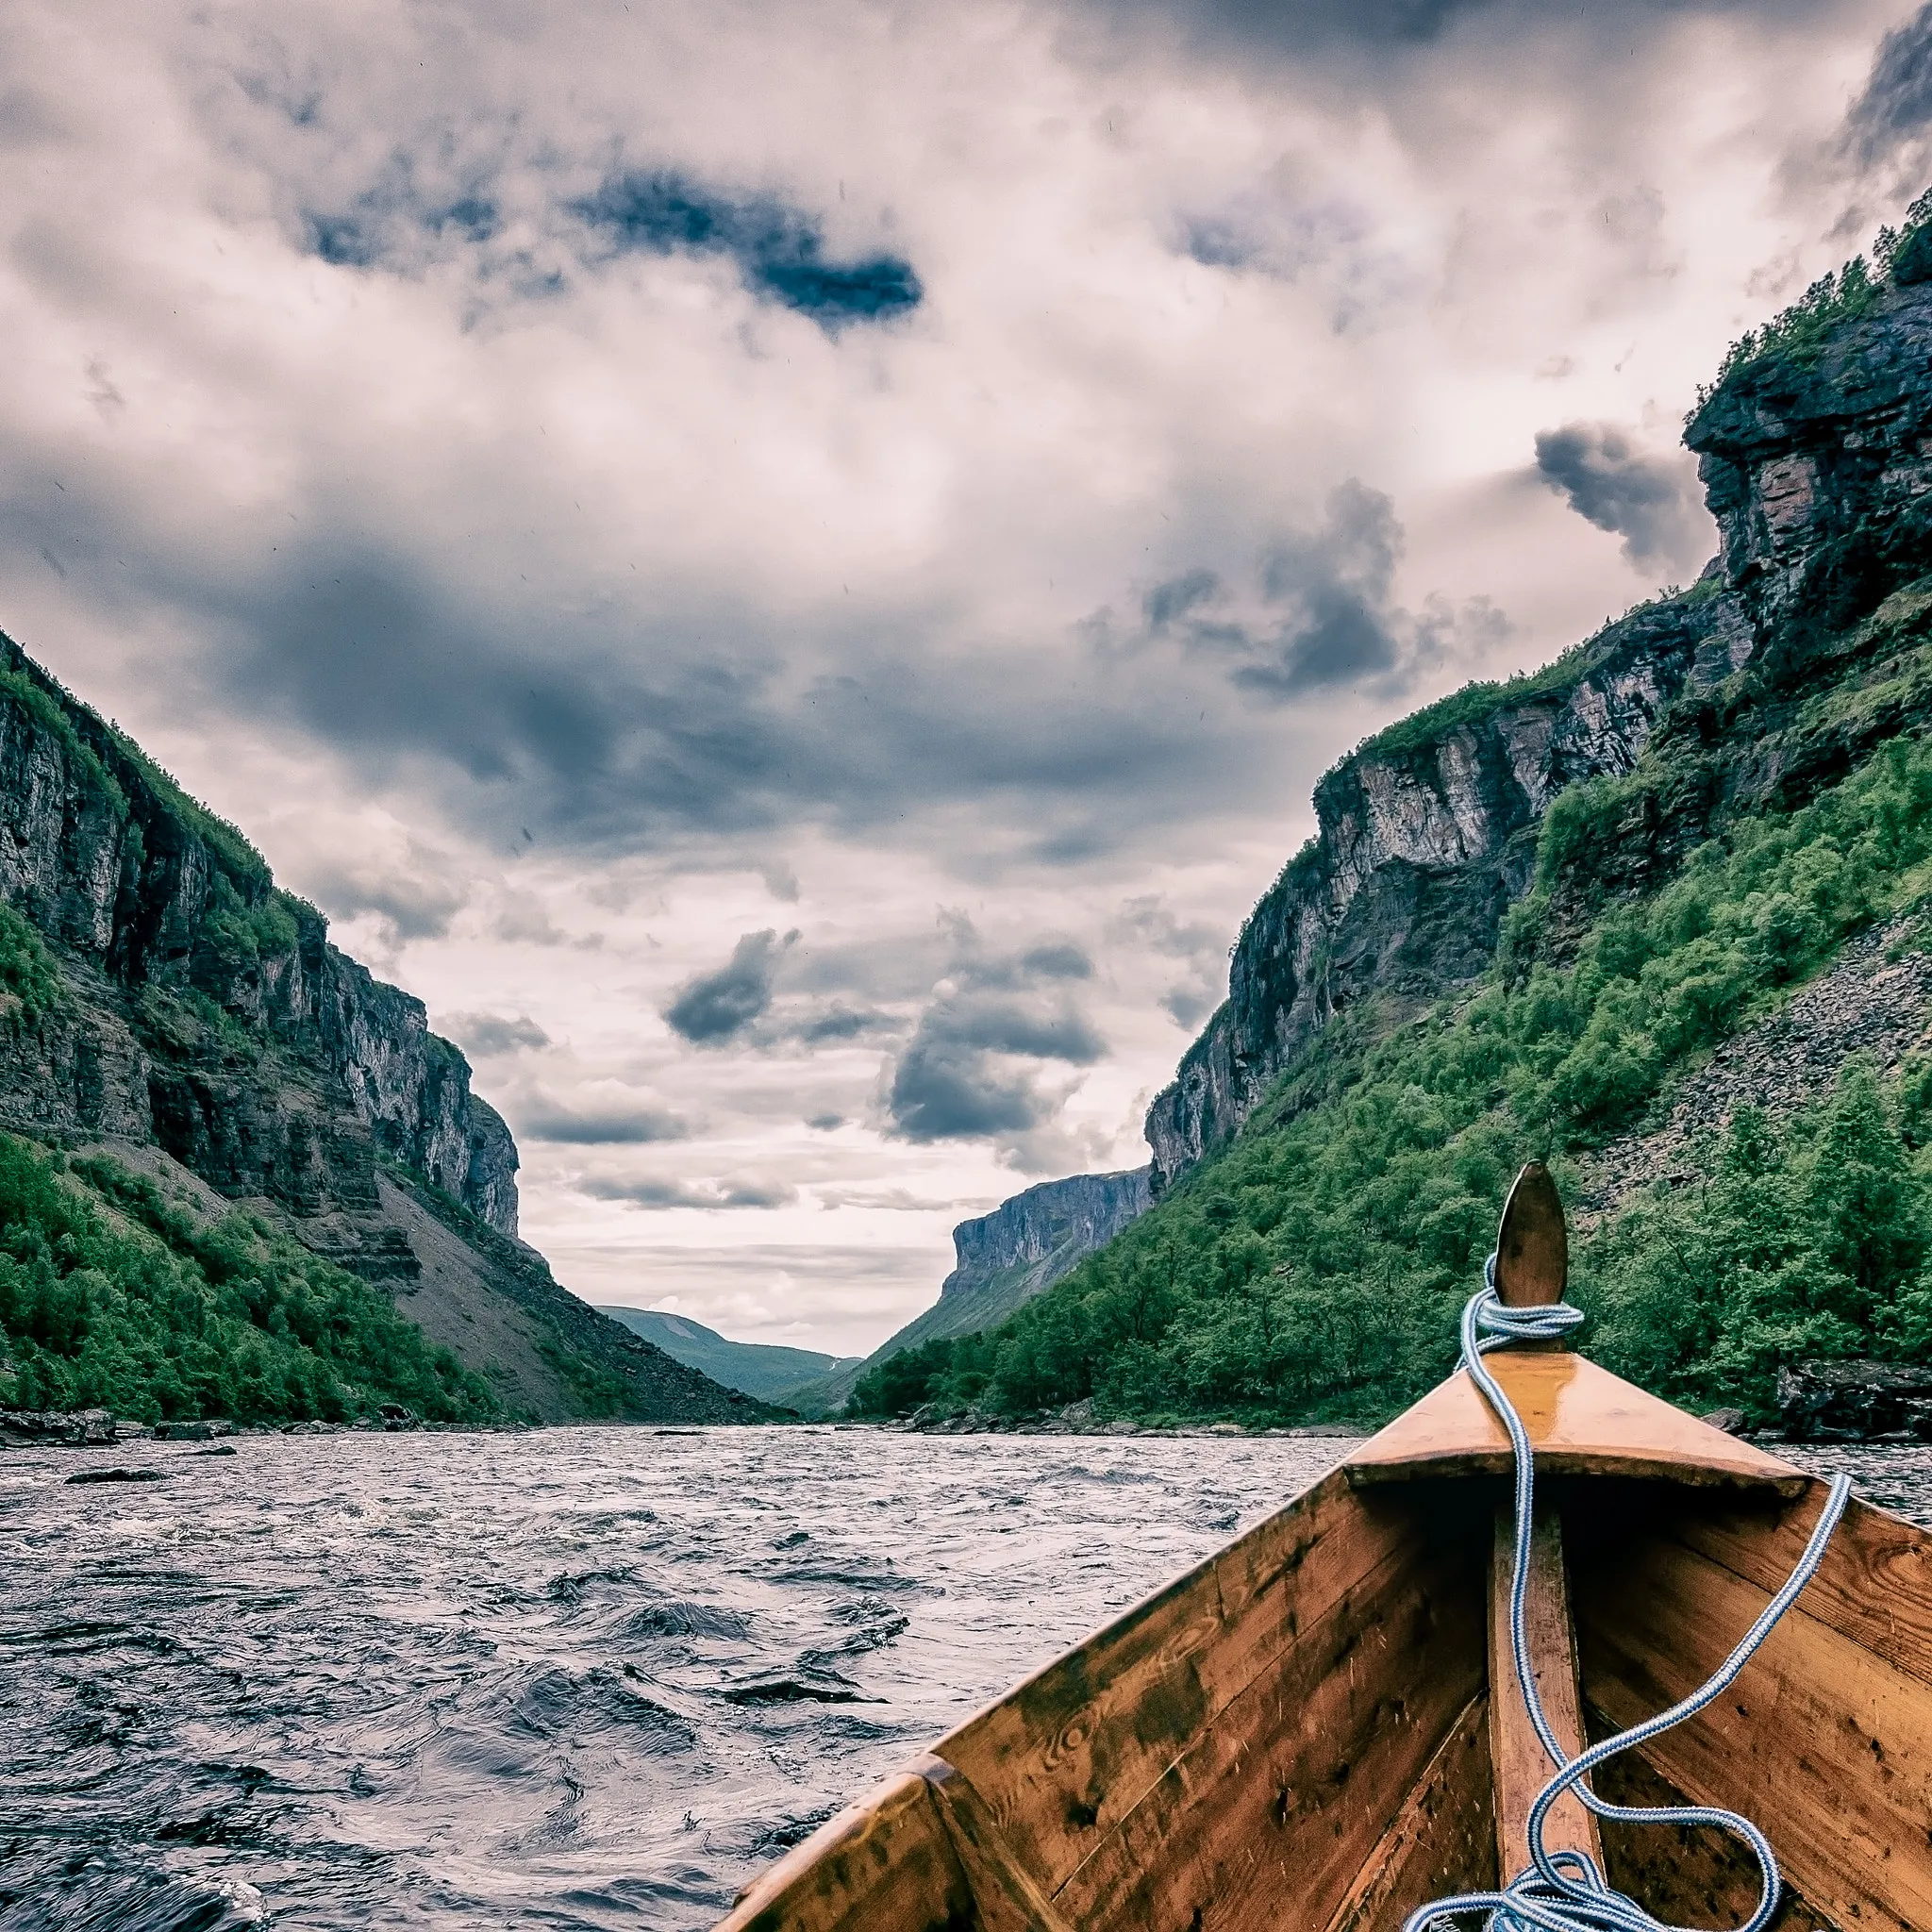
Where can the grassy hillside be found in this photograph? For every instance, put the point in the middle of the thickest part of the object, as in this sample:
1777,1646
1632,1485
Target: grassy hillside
1314,1270
758,1368
112,1295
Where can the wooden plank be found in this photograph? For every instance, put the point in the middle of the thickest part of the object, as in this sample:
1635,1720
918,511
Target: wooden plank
1443,1840
1685,1875
1062,1758
885,1865
1268,1819
1523,1767
1581,1420
1006,1898
1874,1586
1828,1746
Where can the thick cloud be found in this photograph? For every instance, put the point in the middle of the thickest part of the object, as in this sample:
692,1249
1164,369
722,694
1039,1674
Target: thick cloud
1325,28
713,1008
971,1069
1650,501
486,1035
1319,612
1895,106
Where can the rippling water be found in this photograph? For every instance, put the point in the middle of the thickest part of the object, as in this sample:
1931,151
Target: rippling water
580,1677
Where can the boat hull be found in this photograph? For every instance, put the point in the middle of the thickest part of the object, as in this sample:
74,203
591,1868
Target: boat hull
1295,1735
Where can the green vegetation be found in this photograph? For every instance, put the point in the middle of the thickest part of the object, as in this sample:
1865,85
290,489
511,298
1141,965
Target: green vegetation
236,935
1799,333
47,711
112,1296
1314,1269
1801,1242
27,967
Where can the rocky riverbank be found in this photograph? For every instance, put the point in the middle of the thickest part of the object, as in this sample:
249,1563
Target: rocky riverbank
95,1428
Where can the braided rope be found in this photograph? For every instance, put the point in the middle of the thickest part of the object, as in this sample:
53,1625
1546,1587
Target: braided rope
1563,1890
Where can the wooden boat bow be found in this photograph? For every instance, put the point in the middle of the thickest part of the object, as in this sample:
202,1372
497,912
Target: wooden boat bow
1317,1729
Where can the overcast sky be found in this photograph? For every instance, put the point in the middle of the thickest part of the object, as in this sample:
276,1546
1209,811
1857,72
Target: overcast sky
790,568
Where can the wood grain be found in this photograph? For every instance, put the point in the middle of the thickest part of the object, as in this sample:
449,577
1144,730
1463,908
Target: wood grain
1062,1759
885,1865
1443,1842
1005,1897
1268,1819
1532,1245
1874,1586
1523,1767
1684,1875
1581,1420
1828,1746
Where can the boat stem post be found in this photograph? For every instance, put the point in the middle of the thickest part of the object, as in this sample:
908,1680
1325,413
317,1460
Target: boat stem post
1532,1272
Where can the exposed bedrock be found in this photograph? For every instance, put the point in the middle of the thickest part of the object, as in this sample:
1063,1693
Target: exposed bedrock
1817,464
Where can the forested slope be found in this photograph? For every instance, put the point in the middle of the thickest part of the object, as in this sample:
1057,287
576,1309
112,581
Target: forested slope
1656,845
239,1174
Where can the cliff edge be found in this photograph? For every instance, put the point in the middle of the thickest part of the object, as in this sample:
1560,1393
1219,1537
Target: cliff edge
193,1021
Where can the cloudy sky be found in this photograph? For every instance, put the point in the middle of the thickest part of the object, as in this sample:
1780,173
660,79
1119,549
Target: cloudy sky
791,567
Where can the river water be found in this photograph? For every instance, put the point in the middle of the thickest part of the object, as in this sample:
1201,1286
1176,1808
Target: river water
577,1677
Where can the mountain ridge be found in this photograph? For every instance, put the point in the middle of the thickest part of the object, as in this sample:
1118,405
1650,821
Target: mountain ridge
198,1081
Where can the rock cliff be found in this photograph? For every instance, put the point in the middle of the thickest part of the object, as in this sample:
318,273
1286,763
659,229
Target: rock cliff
209,1012
1817,462
1028,1242
1004,1258
199,1024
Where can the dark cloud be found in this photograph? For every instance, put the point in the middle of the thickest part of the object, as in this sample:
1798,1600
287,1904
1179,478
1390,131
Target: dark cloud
487,1034
971,1069
1187,1005
1340,27
622,729
662,1194
838,1023
778,250
1649,501
541,1118
1896,104
825,1123
1319,613
713,1008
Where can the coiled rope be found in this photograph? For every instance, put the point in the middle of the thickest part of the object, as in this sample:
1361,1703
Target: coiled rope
1563,1892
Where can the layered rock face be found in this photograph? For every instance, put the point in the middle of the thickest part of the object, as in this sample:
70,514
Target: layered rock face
206,1011
1044,1231
1818,467
1426,835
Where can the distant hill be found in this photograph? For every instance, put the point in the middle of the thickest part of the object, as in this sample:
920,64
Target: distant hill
1002,1260
755,1367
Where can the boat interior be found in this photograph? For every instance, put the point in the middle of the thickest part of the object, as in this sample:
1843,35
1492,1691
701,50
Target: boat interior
1320,1728
1299,1735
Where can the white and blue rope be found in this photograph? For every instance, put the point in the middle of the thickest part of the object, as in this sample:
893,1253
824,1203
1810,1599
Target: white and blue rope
1563,1890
